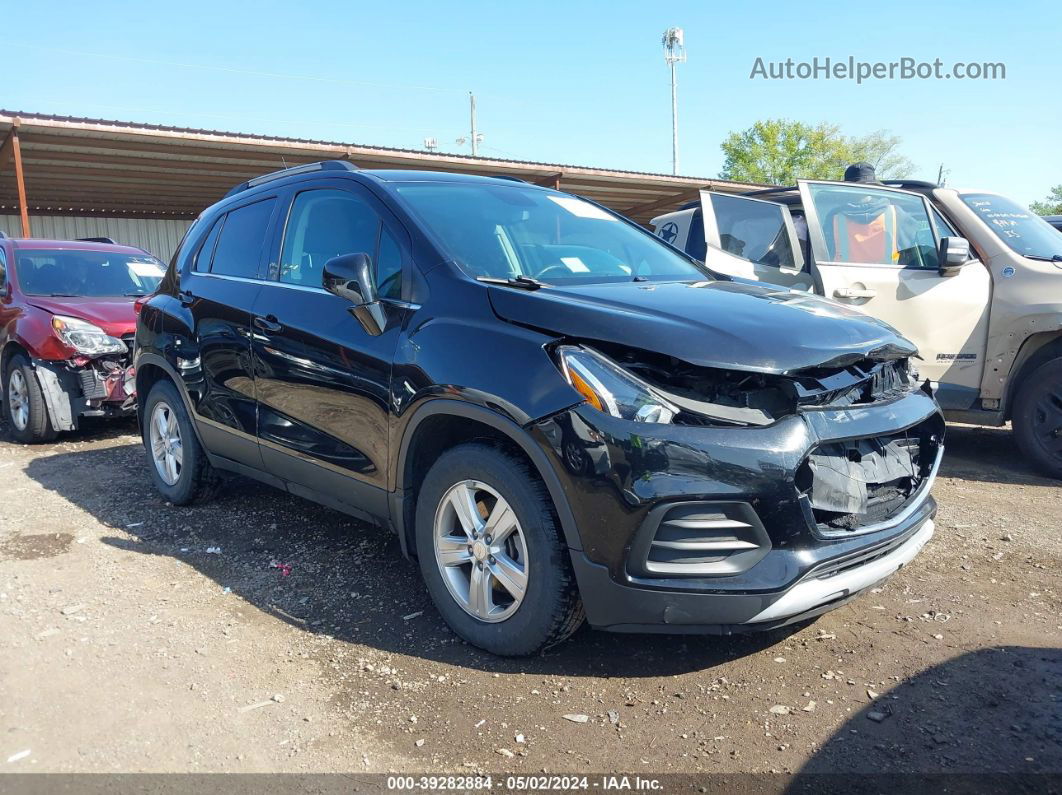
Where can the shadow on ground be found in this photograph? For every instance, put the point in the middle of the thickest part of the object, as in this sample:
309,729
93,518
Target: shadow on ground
348,579
988,455
993,712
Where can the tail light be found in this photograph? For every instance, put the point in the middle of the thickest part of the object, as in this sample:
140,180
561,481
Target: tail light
138,304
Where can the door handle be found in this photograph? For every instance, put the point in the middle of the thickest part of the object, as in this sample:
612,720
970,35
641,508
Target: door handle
854,292
267,323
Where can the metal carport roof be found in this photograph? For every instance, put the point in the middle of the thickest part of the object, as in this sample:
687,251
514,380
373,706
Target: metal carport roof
87,166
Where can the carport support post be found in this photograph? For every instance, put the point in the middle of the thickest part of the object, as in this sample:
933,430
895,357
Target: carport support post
11,148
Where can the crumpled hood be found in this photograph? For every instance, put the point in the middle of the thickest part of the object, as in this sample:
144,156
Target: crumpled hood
722,324
114,315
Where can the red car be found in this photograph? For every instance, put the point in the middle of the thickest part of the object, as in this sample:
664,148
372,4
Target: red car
67,320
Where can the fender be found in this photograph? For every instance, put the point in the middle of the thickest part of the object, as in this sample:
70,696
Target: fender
517,434
56,399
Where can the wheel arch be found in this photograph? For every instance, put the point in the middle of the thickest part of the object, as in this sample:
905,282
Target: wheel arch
150,369
11,348
1037,349
441,424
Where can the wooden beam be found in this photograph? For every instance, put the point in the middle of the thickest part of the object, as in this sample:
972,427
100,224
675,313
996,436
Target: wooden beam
549,181
20,178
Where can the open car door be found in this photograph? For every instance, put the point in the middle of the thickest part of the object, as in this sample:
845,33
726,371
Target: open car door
877,249
760,237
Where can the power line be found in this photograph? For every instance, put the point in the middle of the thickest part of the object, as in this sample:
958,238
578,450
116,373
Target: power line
233,70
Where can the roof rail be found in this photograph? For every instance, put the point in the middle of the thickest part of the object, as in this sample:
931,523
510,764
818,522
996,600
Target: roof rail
909,183
322,165
96,240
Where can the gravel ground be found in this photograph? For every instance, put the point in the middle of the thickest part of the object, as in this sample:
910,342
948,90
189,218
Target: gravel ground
142,637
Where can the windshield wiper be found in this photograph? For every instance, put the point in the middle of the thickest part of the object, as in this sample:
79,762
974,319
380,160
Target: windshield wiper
1042,258
520,282
63,295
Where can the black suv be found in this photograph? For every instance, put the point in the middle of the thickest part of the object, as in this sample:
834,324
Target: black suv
558,413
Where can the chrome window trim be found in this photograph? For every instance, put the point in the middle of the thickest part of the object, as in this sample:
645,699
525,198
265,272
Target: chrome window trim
300,287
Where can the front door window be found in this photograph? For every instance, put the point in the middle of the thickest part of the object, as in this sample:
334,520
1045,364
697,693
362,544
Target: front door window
864,225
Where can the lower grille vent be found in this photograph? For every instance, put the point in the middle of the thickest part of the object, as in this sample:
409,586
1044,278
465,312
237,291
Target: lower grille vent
700,538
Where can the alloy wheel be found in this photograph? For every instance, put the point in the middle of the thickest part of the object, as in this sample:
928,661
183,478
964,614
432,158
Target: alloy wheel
18,399
481,551
164,437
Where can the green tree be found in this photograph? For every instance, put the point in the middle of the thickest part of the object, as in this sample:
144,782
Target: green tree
780,151
1052,205
881,150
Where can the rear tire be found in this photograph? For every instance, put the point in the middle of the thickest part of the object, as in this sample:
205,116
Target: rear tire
179,467
527,598
24,406
1037,417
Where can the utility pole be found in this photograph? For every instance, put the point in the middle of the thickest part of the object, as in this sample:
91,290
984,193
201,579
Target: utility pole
674,53
942,174
475,137
472,113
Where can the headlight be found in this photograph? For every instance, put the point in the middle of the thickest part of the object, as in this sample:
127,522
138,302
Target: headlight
611,389
84,337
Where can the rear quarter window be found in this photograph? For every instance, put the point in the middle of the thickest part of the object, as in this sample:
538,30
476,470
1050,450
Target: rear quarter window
206,249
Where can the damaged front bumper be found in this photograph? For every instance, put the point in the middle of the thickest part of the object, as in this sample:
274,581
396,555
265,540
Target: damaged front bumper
90,388
711,529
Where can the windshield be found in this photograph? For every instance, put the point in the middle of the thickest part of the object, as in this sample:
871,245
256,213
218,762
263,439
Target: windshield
1022,230
90,274
503,232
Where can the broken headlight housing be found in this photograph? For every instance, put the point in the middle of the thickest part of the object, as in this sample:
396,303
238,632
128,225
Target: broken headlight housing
611,389
84,337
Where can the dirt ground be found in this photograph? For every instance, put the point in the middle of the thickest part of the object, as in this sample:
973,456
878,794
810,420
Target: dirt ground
137,636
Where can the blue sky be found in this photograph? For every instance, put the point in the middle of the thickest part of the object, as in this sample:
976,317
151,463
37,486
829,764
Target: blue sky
564,82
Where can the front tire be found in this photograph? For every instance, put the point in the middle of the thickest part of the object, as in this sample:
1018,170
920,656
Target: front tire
24,405
491,552
178,465
1037,417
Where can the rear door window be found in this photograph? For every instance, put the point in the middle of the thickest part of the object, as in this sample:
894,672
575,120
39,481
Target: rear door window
242,239
760,231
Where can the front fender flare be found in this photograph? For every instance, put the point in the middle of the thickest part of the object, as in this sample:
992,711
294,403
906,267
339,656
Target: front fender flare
148,358
517,434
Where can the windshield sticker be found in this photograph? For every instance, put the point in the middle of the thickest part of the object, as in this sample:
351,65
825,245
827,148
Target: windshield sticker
581,209
149,269
575,265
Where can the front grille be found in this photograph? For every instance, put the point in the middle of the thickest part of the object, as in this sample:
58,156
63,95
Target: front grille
91,387
862,383
698,539
849,486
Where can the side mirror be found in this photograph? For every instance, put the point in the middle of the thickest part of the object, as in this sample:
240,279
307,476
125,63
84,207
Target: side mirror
954,252
350,276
